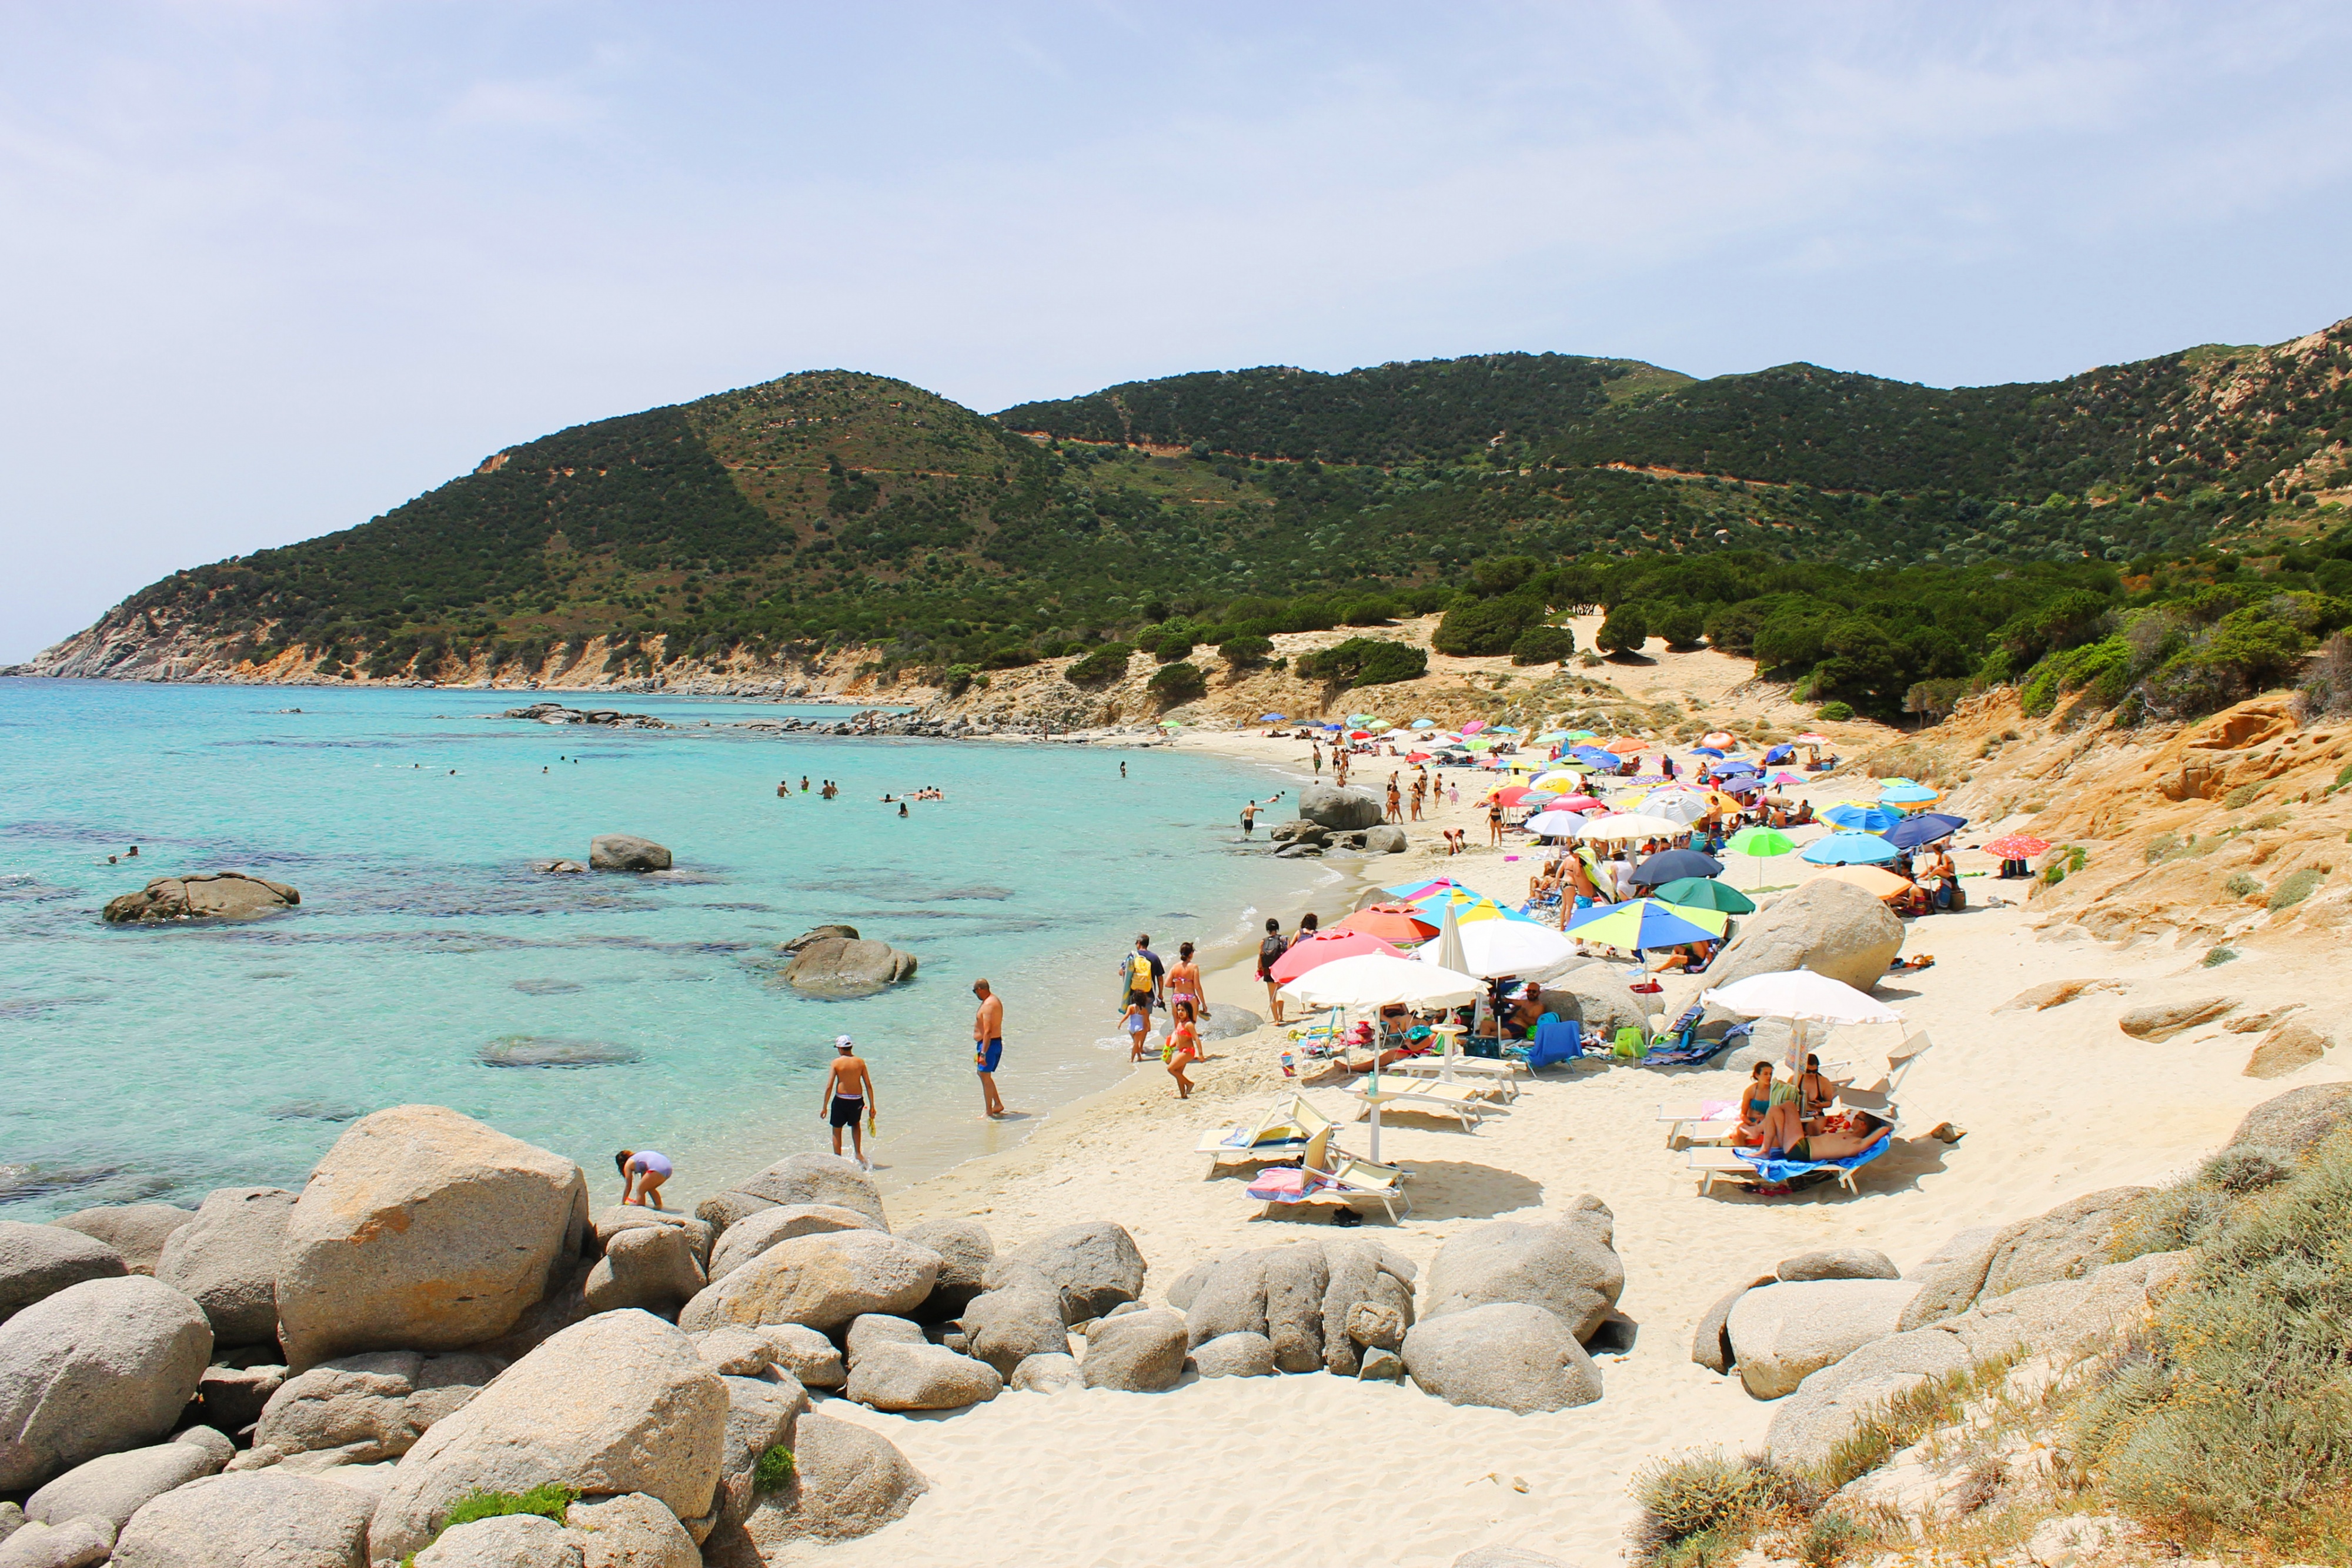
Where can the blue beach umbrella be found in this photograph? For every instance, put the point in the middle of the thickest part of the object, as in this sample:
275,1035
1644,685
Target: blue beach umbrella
1272,717
1424,724
1850,849
1925,828
1904,792
1704,751
1673,865
1592,755
1861,818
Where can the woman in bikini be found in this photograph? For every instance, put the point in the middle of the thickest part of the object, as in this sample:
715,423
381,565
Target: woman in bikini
1183,1047
1184,982
1755,1101
1814,1092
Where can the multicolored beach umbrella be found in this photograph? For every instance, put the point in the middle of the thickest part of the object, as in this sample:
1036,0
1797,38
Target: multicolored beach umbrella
1637,925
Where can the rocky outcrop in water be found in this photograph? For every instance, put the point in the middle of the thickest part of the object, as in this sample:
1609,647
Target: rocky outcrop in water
204,895
610,719
841,967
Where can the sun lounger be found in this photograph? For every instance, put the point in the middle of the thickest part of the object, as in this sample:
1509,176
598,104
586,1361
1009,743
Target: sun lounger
1328,1175
1283,1133
1428,1099
1501,1077
1692,1114
1738,1164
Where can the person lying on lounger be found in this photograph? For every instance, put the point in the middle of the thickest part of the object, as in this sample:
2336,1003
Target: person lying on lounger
1784,1136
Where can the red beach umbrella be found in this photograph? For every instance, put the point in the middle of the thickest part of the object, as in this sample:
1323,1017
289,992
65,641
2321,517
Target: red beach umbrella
1323,947
2017,847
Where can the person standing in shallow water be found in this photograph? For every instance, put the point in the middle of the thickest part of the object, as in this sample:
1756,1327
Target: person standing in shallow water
987,1045
848,1095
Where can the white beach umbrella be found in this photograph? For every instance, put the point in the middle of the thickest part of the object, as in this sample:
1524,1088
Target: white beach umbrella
1682,806
1521,947
1554,824
1375,979
1802,997
1444,949
1633,825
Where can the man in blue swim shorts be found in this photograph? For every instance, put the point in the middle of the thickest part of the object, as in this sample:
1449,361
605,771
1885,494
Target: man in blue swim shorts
987,1045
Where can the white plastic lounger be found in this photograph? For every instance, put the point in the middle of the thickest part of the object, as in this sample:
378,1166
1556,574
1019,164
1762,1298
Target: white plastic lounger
1713,1164
1698,1112
1329,1175
1497,1076
1428,1099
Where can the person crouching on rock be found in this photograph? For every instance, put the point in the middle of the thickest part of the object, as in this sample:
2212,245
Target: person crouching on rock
642,1174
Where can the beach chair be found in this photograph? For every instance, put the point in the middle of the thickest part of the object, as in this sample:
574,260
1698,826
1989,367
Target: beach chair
1705,1121
1283,1133
1485,1074
1327,1175
1748,1165
1428,1099
1875,1091
1556,1040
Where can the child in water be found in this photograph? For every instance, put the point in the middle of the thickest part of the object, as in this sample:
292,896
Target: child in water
643,1171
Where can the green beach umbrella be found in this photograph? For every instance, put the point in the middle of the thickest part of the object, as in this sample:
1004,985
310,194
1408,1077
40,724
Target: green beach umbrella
1706,893
1759,844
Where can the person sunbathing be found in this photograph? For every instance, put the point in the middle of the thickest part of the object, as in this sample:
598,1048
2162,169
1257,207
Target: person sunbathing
1755,1103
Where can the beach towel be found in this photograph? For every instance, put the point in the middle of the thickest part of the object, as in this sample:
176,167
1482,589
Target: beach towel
1778,1171
1279,1184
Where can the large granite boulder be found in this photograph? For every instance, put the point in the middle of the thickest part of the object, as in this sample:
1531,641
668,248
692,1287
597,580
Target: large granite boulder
1596,995
756,1232
619,1402
1838,1263
1341,811
632,1530
136,1230
837,967
606,1224
1139,1352
424,1229
2067,1243
507,1541
761,1413
1567,1266
1296,1281
233,1397
2161,1020
872,1329
1711,1341
1511,1355
1019,1318
896,1376
813,1360
39,1261
1048,1372
965,1251
371,1406
202,895
819,934
2288,1048
100,1366
821,1281
1096,1266
2293,1123
648,1266
257,1519
1234,1355
625,851
1832,928
1781,1335
1258,1291
226,1257
113,1486
847,1482
818,1179
78,1543
1388,840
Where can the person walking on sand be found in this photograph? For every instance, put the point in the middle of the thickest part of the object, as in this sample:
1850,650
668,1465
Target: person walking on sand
849,1094
1270,950
1318,761
1183,1047
987,1045
643,1171
1145,973
1396,801
1184,981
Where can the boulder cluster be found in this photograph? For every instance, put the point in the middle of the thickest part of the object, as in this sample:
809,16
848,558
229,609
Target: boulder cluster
1330,818
202,896
610,719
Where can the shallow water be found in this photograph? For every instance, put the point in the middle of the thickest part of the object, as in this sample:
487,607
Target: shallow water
429,962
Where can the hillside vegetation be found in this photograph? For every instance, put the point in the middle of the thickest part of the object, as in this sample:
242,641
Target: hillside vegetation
1885,545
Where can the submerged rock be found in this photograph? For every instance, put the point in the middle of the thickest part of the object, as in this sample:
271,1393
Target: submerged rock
552,1050
839,966
624,852
203,895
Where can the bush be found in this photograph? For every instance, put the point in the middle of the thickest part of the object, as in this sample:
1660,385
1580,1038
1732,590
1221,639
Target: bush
1480,628
1543,646
2215,956
957,679
1010,659
1173,647
1624,631
1703,1508
2242,885
773,1471
2244,795
1108,663
1834,713
2295,886
1245,651
1364,662
547,1502
1682,625
1177,683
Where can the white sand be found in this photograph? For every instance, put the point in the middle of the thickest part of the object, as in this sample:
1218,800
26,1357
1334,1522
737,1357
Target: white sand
1313,1470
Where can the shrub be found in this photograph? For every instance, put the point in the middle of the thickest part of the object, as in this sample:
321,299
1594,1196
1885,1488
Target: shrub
1482,627
1176,683
2218,956
2268,820
1682,625
1246,650
1702,1500
1834,713
1173,647
1365,662
2295,886
957,679
1108,663
1543,646
774,1469
2244,795
548,1500
2241,884
1010,659
2161,845
1624,631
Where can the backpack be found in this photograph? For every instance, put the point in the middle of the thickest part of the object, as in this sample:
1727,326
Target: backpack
1270,950
1139,973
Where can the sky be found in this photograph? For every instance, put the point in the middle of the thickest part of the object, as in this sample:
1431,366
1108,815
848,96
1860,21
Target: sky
270,268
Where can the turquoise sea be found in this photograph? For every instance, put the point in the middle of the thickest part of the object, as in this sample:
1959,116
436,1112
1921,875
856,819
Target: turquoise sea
164,1062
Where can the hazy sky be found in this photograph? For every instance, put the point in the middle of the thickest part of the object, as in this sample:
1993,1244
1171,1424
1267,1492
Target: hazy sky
268,269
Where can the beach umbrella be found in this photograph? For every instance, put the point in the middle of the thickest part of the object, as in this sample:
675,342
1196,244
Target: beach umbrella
1379,724
1399,923
1706,893
2017,847
1759,844
1784,777
1560,780
1673,865
1326,947
1273,717
1637,925
1548,736
1861,817
1478,744
1723,803
1873,881
1423,724
1626,746
1576,735
1416,757
1423,889
1577,803
1848,849
1377,980
1633,825
1361,717
1554,824
1735,765
1678,805
1513,795
1491,947
1593,757
1802,997
1720,738
1813,737
1704,751
1925,828
1473,726
1904,792
1781,753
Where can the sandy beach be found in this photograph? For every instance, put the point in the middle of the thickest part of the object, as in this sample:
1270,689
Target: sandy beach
1315,1469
